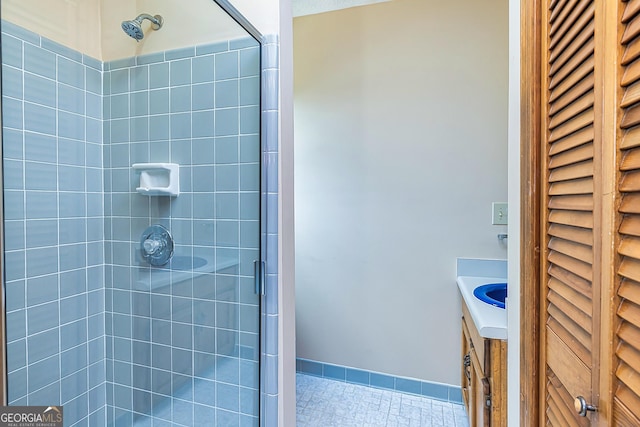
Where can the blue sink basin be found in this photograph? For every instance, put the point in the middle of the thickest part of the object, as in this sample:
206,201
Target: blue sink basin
492,293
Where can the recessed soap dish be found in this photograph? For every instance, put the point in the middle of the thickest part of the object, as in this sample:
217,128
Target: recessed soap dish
158,179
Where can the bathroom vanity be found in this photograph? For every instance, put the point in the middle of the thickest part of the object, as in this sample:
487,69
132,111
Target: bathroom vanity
484,357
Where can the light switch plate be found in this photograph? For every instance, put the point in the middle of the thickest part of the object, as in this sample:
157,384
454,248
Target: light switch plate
500,212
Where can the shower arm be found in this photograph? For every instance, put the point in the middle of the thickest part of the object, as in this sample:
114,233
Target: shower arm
156,21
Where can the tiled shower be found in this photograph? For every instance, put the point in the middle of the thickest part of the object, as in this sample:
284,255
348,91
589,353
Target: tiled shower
89,324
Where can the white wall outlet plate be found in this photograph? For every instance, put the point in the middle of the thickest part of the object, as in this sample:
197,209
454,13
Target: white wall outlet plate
500,213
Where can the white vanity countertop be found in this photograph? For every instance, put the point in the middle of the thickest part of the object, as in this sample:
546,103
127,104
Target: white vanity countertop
490,321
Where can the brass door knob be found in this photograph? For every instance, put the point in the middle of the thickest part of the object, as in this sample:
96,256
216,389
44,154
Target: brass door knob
582,407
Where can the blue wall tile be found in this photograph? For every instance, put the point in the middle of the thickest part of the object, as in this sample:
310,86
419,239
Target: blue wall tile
12,82
39,61
39,119
12,113
226,122
180,99
11,50
39,90
180,72
212,48
71,72
226,66
158,75
71,125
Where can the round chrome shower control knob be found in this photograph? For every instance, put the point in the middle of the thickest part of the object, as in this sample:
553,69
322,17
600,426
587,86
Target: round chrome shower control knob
156,245
582,407
151,246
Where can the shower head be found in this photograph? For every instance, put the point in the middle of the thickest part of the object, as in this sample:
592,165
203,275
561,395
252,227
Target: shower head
133,28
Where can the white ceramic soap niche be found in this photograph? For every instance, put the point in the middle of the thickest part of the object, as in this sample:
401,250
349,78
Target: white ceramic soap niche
158,179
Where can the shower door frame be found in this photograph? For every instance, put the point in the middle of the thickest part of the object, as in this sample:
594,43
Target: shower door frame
268,96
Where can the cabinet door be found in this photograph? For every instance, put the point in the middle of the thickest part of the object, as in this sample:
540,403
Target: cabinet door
465,376
481,416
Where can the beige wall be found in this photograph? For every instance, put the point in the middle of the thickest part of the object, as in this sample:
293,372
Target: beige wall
93,26
401,146
72,23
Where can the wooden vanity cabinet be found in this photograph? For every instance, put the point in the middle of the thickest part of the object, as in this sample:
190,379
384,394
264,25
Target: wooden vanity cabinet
484,376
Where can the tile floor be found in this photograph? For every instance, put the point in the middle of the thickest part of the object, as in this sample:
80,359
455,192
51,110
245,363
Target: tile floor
322,403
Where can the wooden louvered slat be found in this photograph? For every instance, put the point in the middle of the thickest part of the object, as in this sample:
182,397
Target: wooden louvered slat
579,268
583,71
630,290
575,186
574,47
630,160
581,302
630,268
574,250
557,9
630,203
630,246
574,140
631,74
631,313
585,85
630,225
576,107
576,155
579,219
629,377
625,402
632,8
571,328
572,171
561,417
574,375
566,129
629,333
631,117
570,279
561,17
631,138
576,234
553,419
578,338
630,182
568,417
577,202
570,310
632,29
584,52
630,356
570,28
631,95
632,52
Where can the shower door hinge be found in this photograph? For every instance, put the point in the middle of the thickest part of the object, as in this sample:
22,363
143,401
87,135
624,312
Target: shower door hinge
259,273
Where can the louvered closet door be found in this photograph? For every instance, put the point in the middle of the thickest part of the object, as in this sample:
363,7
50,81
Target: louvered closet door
626,401
570,342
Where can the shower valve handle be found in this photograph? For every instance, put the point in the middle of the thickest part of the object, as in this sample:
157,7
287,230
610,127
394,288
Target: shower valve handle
151,246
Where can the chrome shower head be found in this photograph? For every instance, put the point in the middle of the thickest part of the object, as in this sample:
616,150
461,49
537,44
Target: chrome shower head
133,28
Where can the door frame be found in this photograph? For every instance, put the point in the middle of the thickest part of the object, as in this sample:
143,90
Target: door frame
530,194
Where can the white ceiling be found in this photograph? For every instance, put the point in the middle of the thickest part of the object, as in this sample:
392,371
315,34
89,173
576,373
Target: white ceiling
309,7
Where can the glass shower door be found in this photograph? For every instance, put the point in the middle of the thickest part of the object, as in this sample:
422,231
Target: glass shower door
97,320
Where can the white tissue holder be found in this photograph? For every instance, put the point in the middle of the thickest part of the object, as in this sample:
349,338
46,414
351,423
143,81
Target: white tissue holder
158,179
